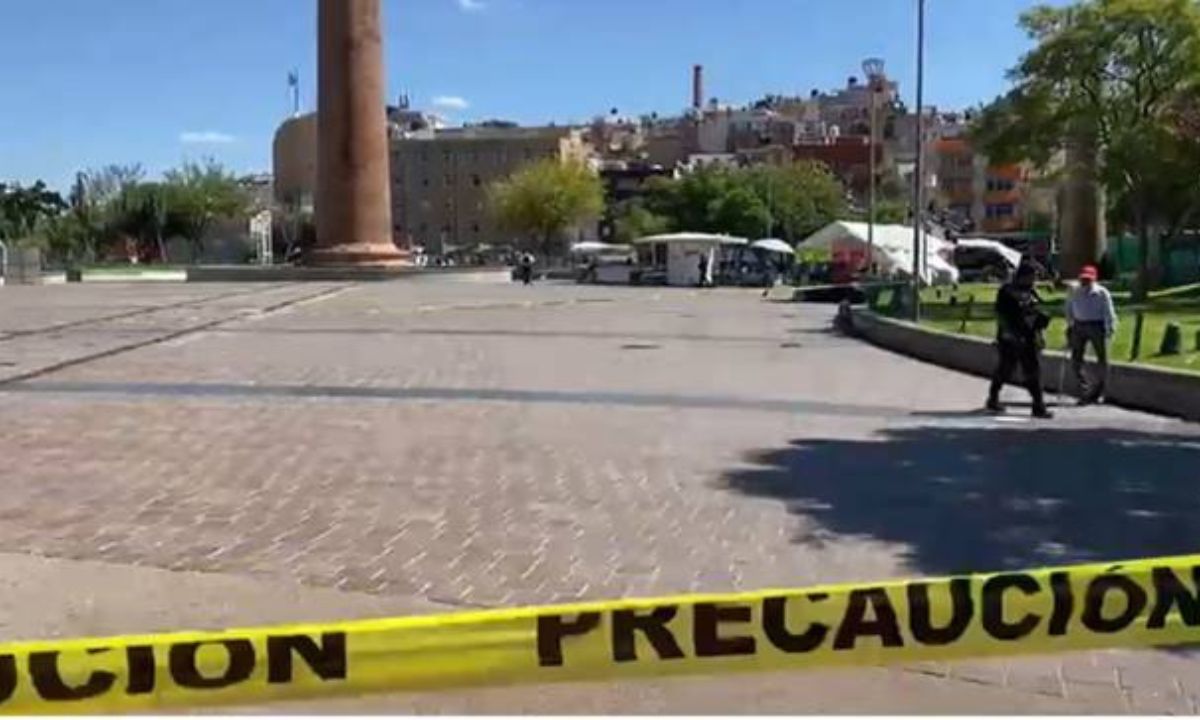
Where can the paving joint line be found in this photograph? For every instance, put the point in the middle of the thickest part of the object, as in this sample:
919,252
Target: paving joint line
13,334
175,335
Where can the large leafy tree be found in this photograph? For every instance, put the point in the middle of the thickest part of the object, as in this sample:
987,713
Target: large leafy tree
100,208
790,201
1119,77
23,210
143,212
542,200
634,220
801,197
196,196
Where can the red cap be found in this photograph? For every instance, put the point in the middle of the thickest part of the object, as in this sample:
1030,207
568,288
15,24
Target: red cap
1089,272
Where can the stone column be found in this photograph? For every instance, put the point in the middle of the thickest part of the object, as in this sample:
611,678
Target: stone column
353,202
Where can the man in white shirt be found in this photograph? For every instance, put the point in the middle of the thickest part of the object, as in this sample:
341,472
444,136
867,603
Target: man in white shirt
1092,319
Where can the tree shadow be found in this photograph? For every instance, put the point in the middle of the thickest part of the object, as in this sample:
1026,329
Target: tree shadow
981,499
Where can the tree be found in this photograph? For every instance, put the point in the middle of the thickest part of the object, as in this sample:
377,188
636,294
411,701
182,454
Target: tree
790,201
98,206
1119,76
148,213
634,221
544,199
802,197
892,212
740,212
23,210
196,196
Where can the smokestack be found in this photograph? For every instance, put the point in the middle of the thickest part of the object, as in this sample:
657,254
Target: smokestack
697,87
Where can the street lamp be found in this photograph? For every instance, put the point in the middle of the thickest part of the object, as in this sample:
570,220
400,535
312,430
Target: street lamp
873,67
919,173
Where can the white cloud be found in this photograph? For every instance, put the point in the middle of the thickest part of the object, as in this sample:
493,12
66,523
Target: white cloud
206,137
450,102
471,5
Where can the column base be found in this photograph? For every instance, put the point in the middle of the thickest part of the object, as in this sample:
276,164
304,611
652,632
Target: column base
364,255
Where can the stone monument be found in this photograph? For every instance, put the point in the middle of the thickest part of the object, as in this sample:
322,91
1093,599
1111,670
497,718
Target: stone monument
353,198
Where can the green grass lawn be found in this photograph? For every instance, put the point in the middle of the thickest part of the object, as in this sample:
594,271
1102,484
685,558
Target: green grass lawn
946,309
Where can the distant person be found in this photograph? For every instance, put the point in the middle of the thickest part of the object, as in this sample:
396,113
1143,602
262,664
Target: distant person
1091,319
703,270
1020,323
770,278
527,268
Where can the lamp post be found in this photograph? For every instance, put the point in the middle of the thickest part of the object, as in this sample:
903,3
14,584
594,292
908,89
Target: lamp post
873,67
919,170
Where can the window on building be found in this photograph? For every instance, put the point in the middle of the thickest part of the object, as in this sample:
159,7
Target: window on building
1002,210
1000,185
476,180
424,182
475,227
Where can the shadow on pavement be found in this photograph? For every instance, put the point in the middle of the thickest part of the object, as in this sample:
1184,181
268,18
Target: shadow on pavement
980,499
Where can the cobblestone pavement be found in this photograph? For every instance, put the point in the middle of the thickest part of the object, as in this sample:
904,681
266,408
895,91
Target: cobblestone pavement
469,443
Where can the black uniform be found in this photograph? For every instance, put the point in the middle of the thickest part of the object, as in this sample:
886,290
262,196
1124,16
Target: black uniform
1019,326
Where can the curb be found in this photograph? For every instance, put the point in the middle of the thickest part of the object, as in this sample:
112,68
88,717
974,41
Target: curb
1136,387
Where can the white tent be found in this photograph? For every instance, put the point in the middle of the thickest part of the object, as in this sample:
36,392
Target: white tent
1010,256
893,249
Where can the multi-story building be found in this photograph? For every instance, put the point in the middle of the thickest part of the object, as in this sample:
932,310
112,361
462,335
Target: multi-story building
992,198
440,184
848,158
440,177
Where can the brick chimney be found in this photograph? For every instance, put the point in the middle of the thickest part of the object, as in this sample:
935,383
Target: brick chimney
697,87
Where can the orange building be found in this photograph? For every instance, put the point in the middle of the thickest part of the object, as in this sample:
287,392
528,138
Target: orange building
996,198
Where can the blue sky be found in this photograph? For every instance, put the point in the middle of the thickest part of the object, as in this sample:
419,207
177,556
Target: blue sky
91,82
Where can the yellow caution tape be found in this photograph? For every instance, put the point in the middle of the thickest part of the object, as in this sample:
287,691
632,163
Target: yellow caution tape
1143,603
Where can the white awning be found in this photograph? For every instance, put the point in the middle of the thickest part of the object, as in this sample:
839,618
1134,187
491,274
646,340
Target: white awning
774,245
688,237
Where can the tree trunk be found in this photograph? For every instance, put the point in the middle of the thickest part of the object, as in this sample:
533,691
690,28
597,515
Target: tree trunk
162,248
1141,287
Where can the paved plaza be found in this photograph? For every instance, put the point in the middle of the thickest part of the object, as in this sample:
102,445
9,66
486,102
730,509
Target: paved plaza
451,442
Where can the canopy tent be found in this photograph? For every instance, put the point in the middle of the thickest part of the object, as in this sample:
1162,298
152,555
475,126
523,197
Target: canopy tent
599,248
692,238
893,249
1010,257
774,245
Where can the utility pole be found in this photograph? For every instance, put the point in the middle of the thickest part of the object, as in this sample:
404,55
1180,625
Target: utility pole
873,67
919,170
